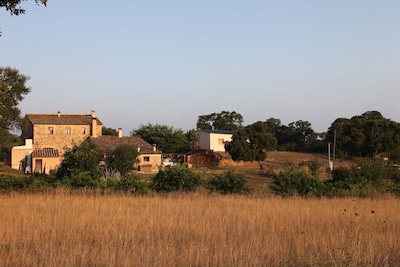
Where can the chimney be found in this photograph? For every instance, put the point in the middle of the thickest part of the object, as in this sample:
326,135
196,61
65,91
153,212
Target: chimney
154,147
120,132
94,123
58,114
138,149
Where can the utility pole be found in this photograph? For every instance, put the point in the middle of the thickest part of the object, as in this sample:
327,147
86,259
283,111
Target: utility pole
329,157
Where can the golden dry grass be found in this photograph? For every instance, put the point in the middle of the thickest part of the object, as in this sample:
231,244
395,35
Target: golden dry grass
61,229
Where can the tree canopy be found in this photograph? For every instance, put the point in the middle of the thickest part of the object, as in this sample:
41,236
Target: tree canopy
123,158
12,90
367,135
251,143
224,120
167,139
14,6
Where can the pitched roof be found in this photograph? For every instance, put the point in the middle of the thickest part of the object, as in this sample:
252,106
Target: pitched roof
62,119
108,143
45,153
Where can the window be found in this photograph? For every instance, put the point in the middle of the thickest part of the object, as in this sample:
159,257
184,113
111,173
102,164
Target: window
68,130
146,159
220,141
50,130
83,130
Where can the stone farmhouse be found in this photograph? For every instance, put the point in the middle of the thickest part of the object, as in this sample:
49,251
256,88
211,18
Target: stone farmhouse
49,136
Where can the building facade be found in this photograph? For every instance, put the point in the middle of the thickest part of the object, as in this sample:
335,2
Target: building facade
48,136
214,139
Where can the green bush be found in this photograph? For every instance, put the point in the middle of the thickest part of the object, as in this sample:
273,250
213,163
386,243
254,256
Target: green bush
368,176
132,184
229,182
175,178
292,182
26,183
80,180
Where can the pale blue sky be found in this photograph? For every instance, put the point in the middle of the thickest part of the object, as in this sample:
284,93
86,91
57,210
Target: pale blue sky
167,62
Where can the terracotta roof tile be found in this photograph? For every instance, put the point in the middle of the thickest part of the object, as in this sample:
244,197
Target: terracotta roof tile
63,119
45,153
108,143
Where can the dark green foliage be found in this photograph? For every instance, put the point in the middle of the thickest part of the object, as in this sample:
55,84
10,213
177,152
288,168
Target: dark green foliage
132,184
229,182
109,131
224,120
7,142
291,182
167,139
24,184
81,159
123,158
367,135
176,178
82,179
251,143
12,90
313,165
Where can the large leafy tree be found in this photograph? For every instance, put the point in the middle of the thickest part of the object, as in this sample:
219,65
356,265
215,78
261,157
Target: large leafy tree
12,90
369,134
251,143
81,159
167,139
224,120
123,158
297,136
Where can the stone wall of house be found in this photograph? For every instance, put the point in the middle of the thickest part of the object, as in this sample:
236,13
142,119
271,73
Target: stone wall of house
61,137
154,160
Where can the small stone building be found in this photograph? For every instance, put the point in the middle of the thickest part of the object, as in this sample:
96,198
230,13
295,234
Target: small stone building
150,159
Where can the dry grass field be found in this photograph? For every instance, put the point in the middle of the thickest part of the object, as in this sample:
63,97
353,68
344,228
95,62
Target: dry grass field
59,228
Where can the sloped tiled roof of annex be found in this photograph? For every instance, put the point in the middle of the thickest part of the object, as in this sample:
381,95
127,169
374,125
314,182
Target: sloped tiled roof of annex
63,119
45,153
108,143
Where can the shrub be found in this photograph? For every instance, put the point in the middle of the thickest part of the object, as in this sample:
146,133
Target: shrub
82,179
229,182
292,182
132,184
175,178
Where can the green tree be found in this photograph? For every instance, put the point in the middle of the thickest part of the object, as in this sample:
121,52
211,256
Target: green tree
176,178
251,143
81,159
230,182
12,90
123,158
224,120
367,135
109,131
167,139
